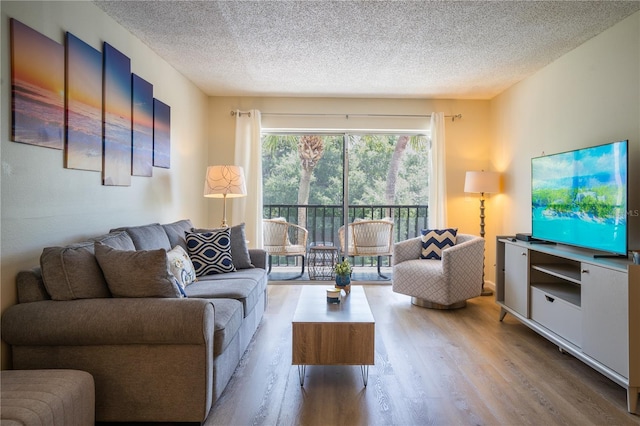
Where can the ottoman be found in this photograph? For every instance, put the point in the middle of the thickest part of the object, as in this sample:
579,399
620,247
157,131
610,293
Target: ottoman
47,397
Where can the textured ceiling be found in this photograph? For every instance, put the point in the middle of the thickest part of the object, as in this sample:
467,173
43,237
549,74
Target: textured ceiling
404,49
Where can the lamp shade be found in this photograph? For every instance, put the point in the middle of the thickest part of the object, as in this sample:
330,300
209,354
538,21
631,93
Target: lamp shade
482,182
224,182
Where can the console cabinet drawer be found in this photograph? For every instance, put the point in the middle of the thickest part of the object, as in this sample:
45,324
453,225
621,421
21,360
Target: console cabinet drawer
559,316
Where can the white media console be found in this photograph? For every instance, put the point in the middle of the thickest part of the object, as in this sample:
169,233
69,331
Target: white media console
589,307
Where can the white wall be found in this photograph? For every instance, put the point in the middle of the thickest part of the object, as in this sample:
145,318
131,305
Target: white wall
589,96
44,204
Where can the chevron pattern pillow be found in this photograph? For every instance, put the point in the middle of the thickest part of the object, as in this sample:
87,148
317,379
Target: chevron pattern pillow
436,240
210,252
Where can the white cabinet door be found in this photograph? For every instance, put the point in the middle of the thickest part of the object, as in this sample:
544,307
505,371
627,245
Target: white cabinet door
516,277
605,308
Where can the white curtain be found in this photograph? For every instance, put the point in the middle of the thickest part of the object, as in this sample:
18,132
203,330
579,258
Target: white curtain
438,184
249,155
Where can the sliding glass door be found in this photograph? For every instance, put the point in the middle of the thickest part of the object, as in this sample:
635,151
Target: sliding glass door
324,181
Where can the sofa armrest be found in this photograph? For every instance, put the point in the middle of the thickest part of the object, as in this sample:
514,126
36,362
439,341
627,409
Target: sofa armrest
407,250
109,321
258,258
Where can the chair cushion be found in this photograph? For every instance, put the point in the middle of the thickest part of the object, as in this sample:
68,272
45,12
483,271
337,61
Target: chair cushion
141,273
436,240
210,252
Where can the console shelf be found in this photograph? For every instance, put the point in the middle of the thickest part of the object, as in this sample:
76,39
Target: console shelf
568,272
585,305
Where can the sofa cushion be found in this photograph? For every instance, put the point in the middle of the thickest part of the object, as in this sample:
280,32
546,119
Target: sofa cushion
71,272
210,252
141,273
227,322
148,237
245,286
436,240
180,266
175,232
239,250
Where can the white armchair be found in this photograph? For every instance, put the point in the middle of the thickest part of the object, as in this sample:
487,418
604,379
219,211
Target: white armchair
369,238
282,238
439,284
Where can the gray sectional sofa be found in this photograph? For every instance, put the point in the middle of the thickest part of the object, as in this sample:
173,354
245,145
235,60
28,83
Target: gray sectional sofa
161,359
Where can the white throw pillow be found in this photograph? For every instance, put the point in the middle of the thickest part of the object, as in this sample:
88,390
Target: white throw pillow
181,266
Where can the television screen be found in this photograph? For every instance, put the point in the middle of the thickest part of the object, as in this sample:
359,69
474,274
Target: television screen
580,197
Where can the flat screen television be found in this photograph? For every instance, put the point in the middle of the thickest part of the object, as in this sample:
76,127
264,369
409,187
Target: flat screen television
580,197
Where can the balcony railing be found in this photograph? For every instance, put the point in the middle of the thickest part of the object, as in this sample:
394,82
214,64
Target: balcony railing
324,221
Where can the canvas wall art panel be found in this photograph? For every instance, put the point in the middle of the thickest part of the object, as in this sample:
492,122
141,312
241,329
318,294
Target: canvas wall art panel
83,142
161,134
116,162
142,122
37,88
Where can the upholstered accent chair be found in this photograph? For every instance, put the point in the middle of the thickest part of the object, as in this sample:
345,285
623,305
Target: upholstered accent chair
282,238
444,283
372,238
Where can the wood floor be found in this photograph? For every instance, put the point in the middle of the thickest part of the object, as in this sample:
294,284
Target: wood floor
460,367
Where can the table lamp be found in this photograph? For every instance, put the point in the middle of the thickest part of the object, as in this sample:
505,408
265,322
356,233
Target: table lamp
224,182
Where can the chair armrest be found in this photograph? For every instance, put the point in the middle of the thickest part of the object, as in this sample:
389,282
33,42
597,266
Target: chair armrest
301,234
258,258
109,321
464,257
407,250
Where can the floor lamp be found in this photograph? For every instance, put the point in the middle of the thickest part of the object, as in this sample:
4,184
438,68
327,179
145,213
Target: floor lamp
482,183
224,182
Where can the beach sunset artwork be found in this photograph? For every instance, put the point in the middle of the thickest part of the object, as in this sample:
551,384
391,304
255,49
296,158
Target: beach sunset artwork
161,134
37,88
83,144
116,164
142,121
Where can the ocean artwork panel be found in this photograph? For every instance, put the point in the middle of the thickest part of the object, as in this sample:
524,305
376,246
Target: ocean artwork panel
83,142
142,121
37,88
116,162
161,134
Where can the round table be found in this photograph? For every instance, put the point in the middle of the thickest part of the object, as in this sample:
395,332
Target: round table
321,261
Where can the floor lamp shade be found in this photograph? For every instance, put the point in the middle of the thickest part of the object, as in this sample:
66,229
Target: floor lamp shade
482,182
224,182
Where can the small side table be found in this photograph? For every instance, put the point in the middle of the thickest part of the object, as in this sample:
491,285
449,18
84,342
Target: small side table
320,262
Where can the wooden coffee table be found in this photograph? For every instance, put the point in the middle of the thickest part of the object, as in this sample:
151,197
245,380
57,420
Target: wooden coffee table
333,334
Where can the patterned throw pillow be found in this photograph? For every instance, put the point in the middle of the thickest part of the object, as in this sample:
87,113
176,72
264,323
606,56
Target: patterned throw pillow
181,266
210,252
436,240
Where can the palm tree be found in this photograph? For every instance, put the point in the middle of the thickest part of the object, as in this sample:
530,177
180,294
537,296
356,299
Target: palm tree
310,151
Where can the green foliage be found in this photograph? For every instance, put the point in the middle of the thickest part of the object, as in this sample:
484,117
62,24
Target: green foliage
343,268
369,160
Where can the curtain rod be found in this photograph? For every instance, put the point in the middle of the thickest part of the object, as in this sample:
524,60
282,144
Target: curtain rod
347,116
